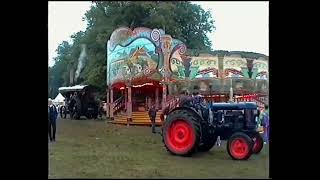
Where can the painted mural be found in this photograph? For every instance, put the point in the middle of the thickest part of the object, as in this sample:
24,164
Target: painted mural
137,54
133,54
235,67
194,67
124,36
134,61
260,69
179,64
204,67
245,68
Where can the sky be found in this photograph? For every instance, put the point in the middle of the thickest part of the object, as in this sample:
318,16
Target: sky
240,26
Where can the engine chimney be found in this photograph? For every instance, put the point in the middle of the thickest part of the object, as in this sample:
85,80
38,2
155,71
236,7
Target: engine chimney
71,74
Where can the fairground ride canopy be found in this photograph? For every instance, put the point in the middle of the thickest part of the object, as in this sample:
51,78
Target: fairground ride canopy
136,56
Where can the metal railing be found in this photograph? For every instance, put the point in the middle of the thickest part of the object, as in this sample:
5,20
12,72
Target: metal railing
118,104
261,101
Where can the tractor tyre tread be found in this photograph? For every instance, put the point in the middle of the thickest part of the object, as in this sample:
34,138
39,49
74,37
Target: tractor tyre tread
189,117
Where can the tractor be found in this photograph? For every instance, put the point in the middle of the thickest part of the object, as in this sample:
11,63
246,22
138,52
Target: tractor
80,101
190,128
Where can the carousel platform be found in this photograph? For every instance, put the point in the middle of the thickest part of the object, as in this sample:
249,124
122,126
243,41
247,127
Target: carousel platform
138,118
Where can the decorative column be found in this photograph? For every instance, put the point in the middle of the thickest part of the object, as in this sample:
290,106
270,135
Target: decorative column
108,104
149,101
157,98
146,103
221,74
166,42
231,91
111,104
164,96
129,106
125,98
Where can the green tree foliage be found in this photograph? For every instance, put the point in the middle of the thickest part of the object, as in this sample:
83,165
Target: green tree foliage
182,20
58,74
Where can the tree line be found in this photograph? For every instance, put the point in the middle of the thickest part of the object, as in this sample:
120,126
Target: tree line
181,19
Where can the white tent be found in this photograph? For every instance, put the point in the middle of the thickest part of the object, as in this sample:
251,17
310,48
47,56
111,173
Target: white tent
59,98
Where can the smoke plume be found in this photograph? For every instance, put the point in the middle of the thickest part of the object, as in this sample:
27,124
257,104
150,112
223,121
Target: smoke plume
81,61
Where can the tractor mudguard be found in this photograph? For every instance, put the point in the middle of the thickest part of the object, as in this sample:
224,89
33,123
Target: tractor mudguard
193,111
189,109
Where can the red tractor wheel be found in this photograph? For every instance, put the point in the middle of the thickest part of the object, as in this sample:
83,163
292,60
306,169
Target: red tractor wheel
181,132
239,146
257,143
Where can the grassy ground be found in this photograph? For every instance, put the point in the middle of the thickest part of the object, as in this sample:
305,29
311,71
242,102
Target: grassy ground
96,149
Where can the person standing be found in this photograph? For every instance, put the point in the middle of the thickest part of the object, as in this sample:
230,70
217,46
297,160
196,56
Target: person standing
60,110
152,115
265,124
210,107
52,116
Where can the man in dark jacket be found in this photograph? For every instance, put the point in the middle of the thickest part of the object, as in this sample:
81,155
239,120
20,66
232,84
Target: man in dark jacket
52,117
198,102
152,115
184,100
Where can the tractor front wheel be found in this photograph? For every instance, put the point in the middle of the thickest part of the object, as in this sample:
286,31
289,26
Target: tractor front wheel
181,133
239,146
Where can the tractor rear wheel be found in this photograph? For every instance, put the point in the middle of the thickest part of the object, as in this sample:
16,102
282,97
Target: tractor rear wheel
239,146
257,143
181,132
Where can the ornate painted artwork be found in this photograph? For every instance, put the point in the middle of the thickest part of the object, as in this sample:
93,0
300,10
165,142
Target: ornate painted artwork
133,54
234,67
204,67
138,54
260,69
179,65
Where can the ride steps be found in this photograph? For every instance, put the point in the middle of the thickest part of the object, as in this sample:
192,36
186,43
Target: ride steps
138,118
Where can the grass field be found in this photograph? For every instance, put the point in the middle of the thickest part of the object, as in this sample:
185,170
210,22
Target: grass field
96,149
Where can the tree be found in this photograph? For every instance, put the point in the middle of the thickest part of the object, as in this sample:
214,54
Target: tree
182,20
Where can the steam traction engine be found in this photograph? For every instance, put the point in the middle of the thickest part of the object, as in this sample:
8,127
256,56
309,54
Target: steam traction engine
80,101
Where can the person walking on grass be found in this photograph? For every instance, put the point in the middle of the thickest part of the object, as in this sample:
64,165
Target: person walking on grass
152,115
52,120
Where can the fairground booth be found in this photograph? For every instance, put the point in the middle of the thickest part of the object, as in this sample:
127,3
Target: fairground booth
148,67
